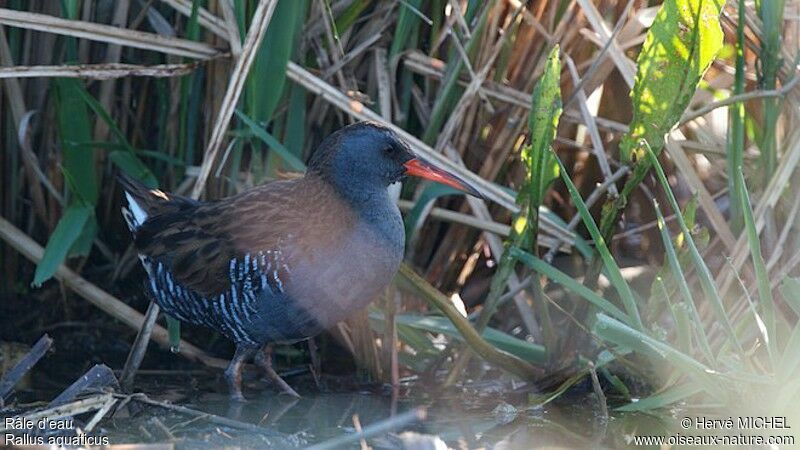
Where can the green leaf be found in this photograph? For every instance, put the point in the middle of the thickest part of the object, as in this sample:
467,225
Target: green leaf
133,166
568,282
762,277
543,399
295,134
683,285
74,128
437,324
66,233
703,273
541,169
736,119
540,163
614,274
83,245
350,14
680,46
174,330
267,77
292,160
618,333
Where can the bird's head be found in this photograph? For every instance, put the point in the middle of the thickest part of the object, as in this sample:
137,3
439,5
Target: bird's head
367,155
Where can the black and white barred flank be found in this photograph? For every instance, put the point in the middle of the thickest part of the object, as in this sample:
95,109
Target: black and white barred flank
231,312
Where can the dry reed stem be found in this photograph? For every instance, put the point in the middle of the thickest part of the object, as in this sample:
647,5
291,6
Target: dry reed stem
252,42
457,114
628,31
113,54
69,409
205,18
778,93
588,119
790,223
107,33
21,121
422,64
626,68
98,297
104,71
357,51
334,46
707,203
231,28
769,199
460,218
382,78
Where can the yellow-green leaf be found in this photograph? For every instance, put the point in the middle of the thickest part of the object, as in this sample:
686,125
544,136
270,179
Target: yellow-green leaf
680,46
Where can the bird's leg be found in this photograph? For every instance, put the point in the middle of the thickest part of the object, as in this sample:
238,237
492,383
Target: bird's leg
264,361
315,362
233,374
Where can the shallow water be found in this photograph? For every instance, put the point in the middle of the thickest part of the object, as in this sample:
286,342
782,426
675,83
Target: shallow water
485,416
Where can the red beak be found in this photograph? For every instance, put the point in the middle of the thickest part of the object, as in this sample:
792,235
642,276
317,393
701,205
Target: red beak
423,169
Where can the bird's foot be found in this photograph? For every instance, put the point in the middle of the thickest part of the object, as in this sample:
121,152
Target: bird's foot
315,362
281,383
264,361
237,397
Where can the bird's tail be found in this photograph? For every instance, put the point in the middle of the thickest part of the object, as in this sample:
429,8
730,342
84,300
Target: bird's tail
144,202
135,193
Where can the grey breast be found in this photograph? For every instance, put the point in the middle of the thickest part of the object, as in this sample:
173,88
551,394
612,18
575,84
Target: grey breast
347,275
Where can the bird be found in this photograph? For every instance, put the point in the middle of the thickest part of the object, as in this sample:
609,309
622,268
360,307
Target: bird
285,260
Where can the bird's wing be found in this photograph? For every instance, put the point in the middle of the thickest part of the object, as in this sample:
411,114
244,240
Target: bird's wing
211,246
253,237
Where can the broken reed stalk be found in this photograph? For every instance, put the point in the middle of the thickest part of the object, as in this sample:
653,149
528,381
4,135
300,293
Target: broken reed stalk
139,347
100,298
13,376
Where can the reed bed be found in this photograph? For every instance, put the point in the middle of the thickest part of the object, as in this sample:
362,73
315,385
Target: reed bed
639,163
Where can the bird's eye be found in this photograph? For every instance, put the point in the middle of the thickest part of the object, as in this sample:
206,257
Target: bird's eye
390,150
